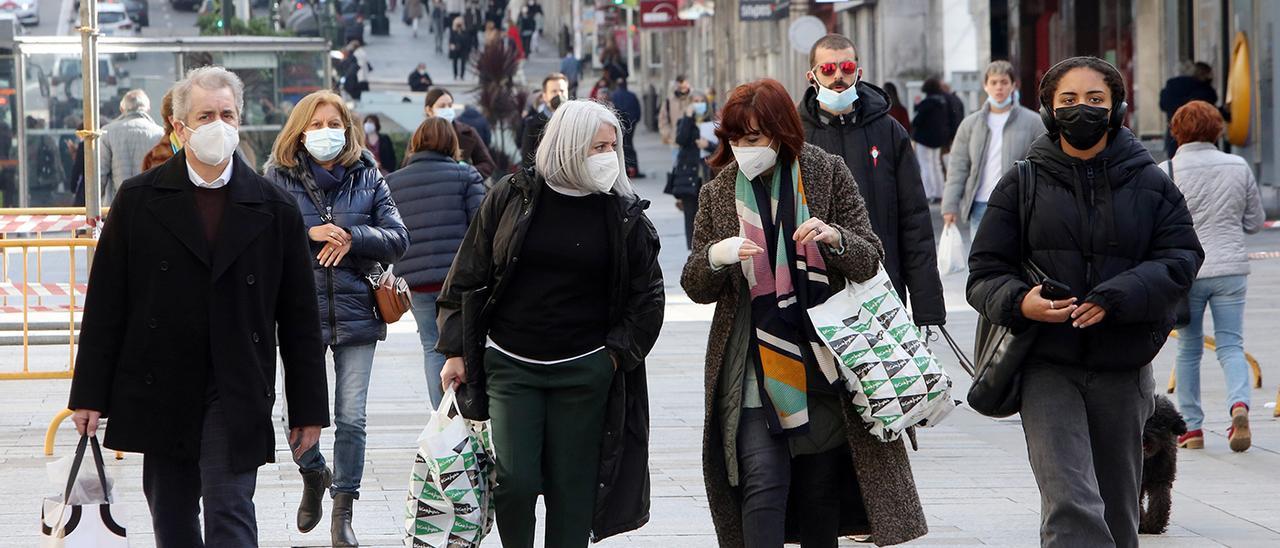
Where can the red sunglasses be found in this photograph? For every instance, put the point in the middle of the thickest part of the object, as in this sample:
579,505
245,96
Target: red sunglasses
849,68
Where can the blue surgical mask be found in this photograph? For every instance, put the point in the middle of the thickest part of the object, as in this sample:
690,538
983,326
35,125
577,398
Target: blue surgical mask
1001,104
325,144
700,109
837,101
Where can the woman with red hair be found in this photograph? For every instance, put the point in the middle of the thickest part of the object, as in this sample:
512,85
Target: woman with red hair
1225,205
780,229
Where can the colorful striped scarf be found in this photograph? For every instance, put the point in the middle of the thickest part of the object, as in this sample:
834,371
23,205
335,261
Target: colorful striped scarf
784,281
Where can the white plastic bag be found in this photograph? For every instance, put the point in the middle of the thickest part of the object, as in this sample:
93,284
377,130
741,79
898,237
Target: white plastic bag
450,501
81,516
951,255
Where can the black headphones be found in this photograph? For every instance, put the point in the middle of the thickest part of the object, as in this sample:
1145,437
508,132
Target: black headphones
1118,111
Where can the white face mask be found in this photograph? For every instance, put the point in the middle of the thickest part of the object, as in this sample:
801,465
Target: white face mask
604,170
447,113
370,129
752,161
213,143
325,144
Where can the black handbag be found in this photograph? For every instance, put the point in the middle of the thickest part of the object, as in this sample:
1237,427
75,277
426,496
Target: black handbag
1181,309
1000,350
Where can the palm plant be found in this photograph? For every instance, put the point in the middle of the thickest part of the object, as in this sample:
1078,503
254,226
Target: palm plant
499,99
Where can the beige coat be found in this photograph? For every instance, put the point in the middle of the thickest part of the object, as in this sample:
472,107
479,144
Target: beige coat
893,513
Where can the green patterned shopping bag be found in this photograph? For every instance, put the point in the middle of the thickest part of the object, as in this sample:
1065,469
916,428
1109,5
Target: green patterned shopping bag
885,362
450,502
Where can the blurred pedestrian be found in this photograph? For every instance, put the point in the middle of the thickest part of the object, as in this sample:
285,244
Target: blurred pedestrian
987,144
690,170
438,197
571,68
627,105
1115,232
201,273
439,102
849,117
439,24
459,49
562,376
126,141
1194,84
527,21
168,145
354,229
355,70
896,110
413,13
384,151
1225,204
931,131
673,108
419,80
782,442
555,92
472,116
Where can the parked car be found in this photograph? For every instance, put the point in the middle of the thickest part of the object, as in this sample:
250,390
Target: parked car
27,11
189,5
113,20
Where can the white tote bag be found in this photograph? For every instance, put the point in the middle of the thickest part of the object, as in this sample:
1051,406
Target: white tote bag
951,256
83,520
895,380
450,503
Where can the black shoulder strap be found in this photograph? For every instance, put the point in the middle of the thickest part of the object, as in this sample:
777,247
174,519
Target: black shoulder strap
313,192
1026,200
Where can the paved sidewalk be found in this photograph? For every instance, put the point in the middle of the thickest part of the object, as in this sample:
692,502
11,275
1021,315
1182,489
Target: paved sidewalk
972,472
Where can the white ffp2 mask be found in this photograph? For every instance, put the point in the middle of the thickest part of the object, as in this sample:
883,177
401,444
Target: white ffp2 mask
604,170
214,142
752,161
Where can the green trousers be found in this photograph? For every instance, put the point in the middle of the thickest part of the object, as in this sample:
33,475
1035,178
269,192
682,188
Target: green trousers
547,422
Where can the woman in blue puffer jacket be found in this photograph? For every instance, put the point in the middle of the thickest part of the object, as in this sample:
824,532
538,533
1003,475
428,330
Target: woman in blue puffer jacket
355,230
439,197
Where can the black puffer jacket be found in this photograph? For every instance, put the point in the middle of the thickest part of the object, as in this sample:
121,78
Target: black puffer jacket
1144,247
489,253
437,197
363,206
931,126
879,153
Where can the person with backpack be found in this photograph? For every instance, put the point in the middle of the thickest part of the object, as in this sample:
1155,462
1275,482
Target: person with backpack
1115,242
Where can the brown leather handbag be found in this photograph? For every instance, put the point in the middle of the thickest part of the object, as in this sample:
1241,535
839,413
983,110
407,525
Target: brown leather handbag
392,295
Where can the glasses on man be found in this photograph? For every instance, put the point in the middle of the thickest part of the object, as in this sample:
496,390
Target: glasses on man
848,68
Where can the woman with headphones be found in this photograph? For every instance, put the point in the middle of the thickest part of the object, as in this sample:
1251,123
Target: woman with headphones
1093,250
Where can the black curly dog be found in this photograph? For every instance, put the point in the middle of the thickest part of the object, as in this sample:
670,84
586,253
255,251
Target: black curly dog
1159,465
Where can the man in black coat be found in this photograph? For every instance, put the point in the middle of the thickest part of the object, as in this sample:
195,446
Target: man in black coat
1195,84
628,107
555,90
849,118
419,80
202,268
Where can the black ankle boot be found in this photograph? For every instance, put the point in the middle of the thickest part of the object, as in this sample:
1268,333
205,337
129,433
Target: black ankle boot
341,531
314,484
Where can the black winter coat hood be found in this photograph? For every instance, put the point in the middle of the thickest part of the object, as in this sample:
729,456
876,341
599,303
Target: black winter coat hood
1114,229
882,159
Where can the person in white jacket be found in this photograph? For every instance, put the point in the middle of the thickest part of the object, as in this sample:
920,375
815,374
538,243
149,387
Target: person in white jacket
1225,204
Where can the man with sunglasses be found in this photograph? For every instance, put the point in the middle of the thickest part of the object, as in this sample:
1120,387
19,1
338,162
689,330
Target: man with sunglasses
848,117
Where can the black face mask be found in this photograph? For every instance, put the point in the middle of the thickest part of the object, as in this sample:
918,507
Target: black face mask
1083,125
556,102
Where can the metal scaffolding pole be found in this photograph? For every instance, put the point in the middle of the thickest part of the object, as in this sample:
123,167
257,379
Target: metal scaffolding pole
89,72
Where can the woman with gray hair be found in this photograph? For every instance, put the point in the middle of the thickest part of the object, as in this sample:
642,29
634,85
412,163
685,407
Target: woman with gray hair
559,366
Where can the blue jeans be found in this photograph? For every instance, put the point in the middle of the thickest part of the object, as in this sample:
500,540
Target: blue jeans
353,365
1225,297
424,312
976,213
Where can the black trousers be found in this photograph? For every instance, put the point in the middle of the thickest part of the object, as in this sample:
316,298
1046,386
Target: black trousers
176,487
690,204
629,149
768,475
460,67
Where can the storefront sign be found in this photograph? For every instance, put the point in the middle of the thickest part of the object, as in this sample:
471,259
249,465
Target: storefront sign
763,10
661,14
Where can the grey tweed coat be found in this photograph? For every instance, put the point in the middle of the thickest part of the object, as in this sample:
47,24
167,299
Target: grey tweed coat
890,509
